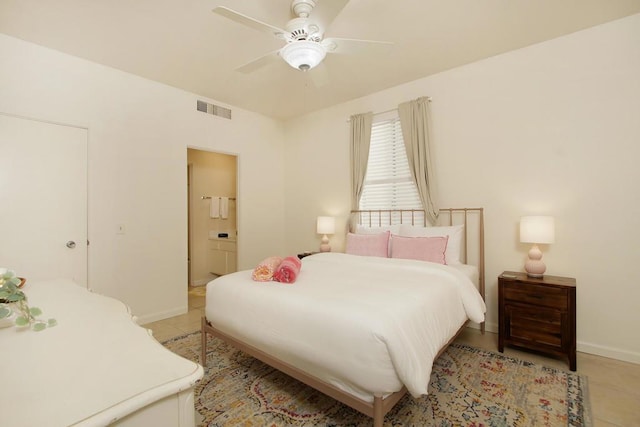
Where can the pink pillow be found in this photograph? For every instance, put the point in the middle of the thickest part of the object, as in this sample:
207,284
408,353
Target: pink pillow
454,245
430,249
368,244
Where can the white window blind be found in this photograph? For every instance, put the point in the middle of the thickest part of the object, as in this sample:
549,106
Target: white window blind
388,183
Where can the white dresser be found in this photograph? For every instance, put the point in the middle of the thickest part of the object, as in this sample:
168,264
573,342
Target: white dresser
95,368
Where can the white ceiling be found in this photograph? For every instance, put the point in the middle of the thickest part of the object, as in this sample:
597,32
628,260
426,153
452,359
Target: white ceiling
183,44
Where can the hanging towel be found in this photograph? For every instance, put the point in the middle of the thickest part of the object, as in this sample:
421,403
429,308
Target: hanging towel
214,208
224,207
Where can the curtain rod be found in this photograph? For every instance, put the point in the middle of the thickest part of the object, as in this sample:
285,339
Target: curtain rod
388,111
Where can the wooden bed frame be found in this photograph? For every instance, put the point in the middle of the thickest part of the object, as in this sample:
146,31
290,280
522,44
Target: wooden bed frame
380,405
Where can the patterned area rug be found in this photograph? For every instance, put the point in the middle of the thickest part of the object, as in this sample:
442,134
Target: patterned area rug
469,387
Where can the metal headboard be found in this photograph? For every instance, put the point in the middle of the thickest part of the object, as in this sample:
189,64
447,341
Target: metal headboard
448,216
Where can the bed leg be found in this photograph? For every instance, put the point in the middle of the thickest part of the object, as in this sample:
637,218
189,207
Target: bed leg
378,413
203,342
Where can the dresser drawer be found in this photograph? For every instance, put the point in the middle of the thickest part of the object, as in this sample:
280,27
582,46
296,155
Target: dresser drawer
227,246
539,295
222,245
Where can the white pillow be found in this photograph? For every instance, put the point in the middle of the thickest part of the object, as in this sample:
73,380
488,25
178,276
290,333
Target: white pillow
454,245
363,229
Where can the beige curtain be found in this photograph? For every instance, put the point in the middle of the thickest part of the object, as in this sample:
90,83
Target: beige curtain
415,122
360,142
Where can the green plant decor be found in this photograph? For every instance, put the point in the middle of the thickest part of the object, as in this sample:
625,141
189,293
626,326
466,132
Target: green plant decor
13,300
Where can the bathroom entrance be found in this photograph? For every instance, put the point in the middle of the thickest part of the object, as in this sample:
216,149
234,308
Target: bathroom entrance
212,215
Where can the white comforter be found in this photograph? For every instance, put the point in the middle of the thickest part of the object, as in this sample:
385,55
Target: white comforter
367,325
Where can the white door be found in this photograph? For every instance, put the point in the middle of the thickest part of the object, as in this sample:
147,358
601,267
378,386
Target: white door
43,199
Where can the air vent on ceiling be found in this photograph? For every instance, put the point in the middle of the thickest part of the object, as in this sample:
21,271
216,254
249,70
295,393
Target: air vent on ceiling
216,110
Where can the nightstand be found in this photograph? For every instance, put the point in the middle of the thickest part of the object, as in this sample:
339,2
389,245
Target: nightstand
538,314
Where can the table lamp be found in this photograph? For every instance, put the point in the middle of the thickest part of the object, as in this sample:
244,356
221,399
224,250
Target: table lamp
326,225
536,230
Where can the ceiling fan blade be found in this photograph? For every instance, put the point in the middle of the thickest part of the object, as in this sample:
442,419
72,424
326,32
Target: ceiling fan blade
326,11
249,22
319,75
353,46
259,63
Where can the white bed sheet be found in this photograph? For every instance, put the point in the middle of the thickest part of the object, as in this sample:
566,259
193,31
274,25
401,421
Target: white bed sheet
471,271
366,325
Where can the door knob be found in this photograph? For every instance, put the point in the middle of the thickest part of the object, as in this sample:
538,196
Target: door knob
71,244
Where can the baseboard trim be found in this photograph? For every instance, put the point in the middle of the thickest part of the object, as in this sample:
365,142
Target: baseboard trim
154,317
610,352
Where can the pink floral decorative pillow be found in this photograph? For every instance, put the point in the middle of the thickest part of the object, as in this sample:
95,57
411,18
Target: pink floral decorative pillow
368,244
430,249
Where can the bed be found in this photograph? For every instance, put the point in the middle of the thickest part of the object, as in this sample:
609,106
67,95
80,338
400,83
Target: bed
363,330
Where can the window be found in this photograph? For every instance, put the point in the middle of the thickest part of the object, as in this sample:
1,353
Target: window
388,183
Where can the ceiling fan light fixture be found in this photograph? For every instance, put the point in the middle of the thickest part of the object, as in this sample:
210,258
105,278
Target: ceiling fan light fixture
303,54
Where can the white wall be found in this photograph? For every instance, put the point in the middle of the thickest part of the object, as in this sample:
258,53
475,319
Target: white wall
549,129
139,132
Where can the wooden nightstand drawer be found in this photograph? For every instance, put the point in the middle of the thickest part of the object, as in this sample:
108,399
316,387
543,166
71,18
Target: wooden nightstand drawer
540,326
537,295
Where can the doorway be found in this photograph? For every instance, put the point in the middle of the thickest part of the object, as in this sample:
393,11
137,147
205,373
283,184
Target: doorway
212,216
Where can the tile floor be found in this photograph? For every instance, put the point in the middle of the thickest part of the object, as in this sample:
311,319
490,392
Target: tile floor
614,386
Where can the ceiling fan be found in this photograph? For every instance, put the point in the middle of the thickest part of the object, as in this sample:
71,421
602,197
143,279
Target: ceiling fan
306,45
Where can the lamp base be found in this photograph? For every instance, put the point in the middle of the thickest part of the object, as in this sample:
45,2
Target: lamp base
324,247
534,265
535,275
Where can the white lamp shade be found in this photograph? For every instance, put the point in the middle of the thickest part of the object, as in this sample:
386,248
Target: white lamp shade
303,54
326,225
537,229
